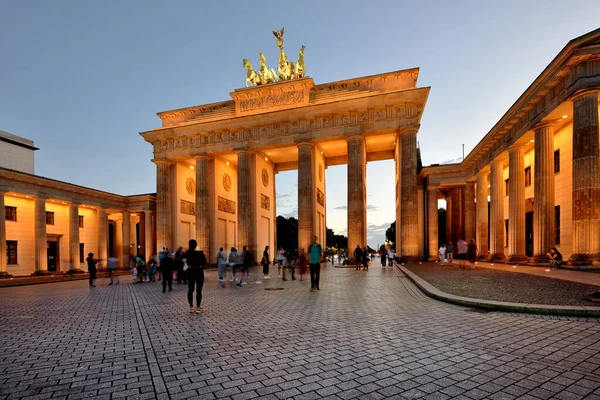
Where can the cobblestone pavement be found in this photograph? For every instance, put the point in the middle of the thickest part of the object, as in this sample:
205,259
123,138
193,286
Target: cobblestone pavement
365,335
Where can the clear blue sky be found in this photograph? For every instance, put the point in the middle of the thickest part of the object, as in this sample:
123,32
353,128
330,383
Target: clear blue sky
82,78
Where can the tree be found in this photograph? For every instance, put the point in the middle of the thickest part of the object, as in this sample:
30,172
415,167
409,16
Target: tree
287,234
441,226
390,234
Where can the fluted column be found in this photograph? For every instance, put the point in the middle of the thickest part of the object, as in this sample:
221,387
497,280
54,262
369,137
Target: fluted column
496,212
246,202
457,202
586,179
127,238
203,205
164,235
41,239
120,243
409,224
3,267
543,188
74,256
516,204
469,211
482,215
306,195
148,234
102,237
357,194
448,216
432,222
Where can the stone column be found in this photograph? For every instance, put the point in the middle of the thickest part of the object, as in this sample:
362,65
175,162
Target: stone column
516,205
148,235
586,179
41,239
102,237
448,216
246,203
127,238
496,211
74,256
307,196
164,235
432,222
357,194
409,223
457,231
482,215
469,211
3,267
543,188
203,205
120,243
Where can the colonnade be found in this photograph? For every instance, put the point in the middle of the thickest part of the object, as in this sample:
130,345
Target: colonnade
309,172
40,251
585,196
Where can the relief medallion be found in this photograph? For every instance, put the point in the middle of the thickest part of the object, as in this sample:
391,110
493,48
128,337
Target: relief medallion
265,177
190,185
226,182
320,172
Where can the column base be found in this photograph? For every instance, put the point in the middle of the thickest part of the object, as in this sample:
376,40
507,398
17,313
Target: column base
75,271
584,259
517,258
5,275
497,257
43,273
541,259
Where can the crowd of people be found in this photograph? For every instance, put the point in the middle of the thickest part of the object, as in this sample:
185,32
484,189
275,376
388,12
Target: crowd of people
462,253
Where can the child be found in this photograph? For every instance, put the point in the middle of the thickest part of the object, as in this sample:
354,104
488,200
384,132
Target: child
442,254
151,269
134,273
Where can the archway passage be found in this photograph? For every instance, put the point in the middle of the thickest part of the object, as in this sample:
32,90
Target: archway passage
216,163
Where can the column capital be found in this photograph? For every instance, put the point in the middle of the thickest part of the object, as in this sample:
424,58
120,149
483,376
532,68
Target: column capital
355,137
202,157
516,147
544,124
163,162
585,93
409,129
305,144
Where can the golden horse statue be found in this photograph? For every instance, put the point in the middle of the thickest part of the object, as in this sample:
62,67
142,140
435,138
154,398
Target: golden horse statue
266,75
300,68
251,75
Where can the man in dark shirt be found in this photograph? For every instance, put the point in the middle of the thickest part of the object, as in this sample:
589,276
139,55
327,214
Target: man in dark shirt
167,264
358,253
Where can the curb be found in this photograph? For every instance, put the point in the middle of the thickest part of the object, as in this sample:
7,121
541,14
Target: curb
433,292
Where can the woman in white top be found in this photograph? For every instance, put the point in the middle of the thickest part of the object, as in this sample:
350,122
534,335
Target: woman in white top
442,253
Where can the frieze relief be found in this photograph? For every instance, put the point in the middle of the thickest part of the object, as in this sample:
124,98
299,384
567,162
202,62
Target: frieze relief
187,207
226,205
265,202
406,112
272,100
320,198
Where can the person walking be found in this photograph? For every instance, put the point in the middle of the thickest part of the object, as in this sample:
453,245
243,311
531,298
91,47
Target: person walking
365,259
461,253
390,257
265,263
233,264
358,253
222,267
179,265
449,253
315,254
280,257
196,261
472,253
91,264
301,263
167,264
151,265
112,269
442,254
247,263
239,265
383,256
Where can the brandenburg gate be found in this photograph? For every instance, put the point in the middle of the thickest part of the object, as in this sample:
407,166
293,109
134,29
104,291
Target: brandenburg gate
216,163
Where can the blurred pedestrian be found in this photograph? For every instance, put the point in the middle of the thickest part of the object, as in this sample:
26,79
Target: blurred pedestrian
265,263
461,253
112,269
167,265
472,253
301,263
222,267
91,264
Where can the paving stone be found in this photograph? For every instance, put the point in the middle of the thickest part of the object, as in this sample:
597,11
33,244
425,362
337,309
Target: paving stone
133,341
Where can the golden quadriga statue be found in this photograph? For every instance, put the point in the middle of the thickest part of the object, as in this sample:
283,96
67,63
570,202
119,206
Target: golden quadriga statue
286,70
